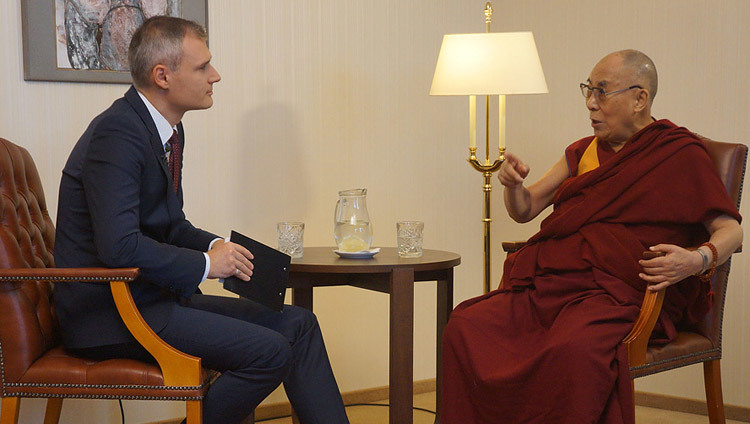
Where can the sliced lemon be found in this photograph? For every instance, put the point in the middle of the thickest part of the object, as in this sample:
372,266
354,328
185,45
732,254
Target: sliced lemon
353,244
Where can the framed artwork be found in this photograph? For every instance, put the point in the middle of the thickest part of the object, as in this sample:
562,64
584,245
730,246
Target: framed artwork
87,40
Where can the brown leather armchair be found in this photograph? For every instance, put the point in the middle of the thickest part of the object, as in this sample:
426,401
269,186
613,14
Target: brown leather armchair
33,363
702,343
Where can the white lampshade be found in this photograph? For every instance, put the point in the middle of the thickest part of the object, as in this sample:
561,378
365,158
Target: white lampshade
488,64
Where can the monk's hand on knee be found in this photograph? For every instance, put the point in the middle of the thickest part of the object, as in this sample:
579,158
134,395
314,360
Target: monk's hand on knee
674,266
230,259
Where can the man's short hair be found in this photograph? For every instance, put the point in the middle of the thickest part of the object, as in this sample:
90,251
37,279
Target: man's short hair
643,68
159,41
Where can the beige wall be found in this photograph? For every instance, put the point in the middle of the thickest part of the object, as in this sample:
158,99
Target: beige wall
323,95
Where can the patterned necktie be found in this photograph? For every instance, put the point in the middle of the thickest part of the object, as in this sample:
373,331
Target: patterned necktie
175,159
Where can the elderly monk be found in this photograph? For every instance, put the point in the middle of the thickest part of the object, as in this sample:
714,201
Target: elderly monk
546,346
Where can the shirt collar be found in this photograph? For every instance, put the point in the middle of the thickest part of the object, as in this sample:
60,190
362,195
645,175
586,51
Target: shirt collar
162,125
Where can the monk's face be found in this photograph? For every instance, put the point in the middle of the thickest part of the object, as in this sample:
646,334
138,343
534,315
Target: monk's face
613,116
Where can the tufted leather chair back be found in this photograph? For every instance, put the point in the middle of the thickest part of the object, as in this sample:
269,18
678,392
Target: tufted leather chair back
730,160
28,326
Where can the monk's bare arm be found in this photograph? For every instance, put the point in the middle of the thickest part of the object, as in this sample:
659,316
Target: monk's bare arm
524,204
679,263
726,236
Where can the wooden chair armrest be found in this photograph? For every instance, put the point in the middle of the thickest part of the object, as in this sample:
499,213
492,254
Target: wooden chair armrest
637,340
512,246
178,368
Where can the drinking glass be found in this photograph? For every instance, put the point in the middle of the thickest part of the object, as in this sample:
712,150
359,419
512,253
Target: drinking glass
291,235
409,237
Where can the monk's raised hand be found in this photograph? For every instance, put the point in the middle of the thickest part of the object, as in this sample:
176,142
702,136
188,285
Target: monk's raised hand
513,171
676,265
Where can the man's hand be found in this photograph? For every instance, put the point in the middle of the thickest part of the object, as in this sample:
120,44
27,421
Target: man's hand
676,265
228,259
513,171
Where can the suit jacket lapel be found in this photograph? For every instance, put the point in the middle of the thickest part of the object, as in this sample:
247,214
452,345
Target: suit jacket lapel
174,201
156,145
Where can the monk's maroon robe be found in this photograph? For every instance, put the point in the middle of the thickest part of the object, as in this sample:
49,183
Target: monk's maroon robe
546,347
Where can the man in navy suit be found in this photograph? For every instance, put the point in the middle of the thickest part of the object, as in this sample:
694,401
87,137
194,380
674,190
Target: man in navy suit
120,205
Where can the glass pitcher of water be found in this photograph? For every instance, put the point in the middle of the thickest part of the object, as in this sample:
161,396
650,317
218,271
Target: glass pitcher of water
351,222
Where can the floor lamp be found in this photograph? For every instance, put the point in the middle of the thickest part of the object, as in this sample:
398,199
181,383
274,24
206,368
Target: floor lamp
488,64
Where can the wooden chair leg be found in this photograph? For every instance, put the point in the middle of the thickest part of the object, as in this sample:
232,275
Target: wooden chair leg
54,408
714,399
11,406
194,412
632,385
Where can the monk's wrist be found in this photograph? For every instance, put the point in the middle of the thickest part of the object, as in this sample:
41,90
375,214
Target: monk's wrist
704,261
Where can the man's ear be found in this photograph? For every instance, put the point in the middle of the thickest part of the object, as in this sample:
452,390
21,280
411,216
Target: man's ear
641,101
159,76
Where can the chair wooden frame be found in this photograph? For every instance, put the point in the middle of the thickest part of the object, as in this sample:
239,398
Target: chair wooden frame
178,369
703,344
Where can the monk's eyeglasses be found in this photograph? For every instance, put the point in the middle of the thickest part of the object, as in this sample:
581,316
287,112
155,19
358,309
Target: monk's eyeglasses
599,94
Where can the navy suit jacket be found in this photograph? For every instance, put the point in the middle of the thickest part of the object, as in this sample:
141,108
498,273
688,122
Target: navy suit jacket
117,208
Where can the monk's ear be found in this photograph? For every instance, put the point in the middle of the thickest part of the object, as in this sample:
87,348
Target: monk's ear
159,76
642,99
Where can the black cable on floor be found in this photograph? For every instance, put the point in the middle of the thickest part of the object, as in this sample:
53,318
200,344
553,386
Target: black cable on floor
416,408
122,411
272,418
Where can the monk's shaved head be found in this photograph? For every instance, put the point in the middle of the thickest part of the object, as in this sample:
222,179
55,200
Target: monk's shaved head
643,69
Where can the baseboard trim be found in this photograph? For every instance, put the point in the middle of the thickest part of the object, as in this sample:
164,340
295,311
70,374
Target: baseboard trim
374,394
690,406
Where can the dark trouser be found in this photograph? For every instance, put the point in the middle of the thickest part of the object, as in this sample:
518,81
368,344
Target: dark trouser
255,349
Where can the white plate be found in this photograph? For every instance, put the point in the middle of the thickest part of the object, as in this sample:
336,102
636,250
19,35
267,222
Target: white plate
362,254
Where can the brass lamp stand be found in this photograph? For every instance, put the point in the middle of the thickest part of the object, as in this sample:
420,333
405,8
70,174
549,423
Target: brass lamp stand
488,64
486,169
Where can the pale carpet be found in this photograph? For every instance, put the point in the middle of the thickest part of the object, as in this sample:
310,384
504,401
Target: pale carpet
379,414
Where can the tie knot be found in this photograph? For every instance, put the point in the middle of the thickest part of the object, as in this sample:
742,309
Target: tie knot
171,142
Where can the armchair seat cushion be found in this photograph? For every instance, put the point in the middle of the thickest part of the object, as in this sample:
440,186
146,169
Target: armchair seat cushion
59,373
687,348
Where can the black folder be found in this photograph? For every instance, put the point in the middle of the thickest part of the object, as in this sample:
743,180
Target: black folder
270,278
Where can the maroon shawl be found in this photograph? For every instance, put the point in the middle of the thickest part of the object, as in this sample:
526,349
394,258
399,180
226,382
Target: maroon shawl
659,188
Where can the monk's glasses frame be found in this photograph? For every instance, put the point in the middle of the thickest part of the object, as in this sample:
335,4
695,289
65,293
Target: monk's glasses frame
600,94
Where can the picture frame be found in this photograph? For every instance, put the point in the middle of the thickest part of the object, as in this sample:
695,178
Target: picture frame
40,44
